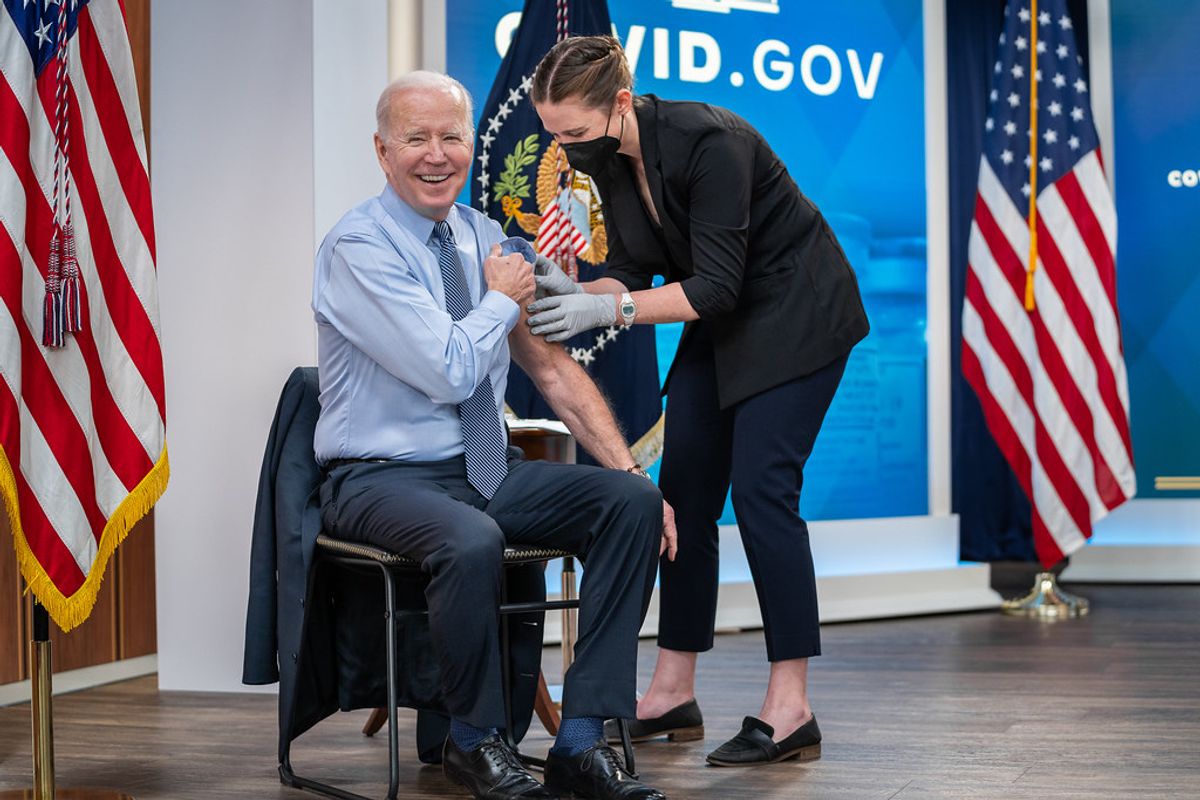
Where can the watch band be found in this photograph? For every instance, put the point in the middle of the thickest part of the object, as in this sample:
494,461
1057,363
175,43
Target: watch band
627,308
638,469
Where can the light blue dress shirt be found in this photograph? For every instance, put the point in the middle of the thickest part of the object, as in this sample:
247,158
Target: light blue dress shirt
393,365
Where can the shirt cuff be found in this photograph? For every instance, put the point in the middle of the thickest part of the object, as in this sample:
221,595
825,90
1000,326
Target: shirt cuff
503,307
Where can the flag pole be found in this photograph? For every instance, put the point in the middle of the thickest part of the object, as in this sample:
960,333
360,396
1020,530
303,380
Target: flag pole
43,710
40,667
1033,158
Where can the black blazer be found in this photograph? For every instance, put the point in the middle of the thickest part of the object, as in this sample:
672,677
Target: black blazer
754,256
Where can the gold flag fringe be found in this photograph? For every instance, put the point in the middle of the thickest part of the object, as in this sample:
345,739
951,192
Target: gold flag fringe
70,612
648,449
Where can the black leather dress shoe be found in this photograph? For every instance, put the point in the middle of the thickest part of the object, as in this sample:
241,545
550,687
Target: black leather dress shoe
598,773
683,723
492,771
754,745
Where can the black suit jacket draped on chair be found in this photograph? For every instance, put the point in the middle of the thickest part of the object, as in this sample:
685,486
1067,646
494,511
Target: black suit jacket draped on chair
321,636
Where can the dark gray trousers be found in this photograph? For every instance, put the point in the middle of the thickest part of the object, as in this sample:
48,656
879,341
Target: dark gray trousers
428,511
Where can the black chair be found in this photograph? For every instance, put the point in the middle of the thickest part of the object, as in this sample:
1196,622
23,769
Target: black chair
394,568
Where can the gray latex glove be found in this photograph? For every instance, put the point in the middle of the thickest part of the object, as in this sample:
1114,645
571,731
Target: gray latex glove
551,280
559,318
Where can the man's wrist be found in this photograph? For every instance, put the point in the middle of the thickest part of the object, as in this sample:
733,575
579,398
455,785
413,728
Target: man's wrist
638,469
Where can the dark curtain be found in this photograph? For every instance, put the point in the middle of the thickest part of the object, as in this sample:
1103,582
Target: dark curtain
994,512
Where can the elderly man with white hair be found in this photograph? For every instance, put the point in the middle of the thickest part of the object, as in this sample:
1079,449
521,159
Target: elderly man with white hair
417,312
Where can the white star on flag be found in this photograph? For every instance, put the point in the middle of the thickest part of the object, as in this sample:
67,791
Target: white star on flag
1023,15
1059,80
1065,22
1051,136
1046,164
1006,156
1077,114
1055,108
43,34
1080,86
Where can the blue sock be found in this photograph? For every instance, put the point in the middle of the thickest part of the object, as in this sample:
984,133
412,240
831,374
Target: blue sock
468,737
577,734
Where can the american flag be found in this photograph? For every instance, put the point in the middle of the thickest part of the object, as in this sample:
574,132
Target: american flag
1042,347
82,439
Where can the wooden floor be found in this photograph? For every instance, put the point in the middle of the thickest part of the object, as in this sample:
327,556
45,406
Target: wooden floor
962,706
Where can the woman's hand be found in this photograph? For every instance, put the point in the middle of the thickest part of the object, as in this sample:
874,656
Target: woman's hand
552,281
559,318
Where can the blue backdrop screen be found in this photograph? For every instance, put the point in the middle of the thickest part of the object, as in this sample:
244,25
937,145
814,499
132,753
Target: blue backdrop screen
838,91
1157,174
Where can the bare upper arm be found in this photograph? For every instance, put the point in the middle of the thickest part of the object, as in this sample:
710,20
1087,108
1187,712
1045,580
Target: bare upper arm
541,360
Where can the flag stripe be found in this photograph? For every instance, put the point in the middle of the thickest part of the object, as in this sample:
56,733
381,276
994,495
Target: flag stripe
35,134
49,549
44,397
1098,290
133,323
106,101
1006,410
82,421
111,424
996,263
1092,383
1079,312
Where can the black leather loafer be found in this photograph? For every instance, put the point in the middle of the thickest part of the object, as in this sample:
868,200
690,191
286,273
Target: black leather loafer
683,723
492,772
598,773
754,745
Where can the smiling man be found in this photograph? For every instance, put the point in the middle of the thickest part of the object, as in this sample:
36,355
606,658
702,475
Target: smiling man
417,314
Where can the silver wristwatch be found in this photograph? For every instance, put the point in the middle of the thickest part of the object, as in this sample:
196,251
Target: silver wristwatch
628,309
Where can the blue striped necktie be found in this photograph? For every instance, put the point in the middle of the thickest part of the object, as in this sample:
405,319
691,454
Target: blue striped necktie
483,438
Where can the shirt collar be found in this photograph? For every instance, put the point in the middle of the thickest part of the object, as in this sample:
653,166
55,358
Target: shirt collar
407,217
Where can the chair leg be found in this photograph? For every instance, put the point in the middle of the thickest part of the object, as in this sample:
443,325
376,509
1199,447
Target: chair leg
545,708
375,722
505,670
627,746
392,688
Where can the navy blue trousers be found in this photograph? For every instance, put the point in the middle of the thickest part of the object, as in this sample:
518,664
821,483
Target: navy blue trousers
761,445
428,511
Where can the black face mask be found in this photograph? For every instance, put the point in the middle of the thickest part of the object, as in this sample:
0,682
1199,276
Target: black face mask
592,156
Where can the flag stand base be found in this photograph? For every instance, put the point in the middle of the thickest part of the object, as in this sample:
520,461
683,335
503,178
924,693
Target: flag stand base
1046,601
43,724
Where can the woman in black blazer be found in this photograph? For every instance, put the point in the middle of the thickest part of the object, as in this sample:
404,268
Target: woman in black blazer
692,192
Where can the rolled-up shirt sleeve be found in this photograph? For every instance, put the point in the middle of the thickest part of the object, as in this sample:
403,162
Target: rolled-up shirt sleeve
373,299
720,188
